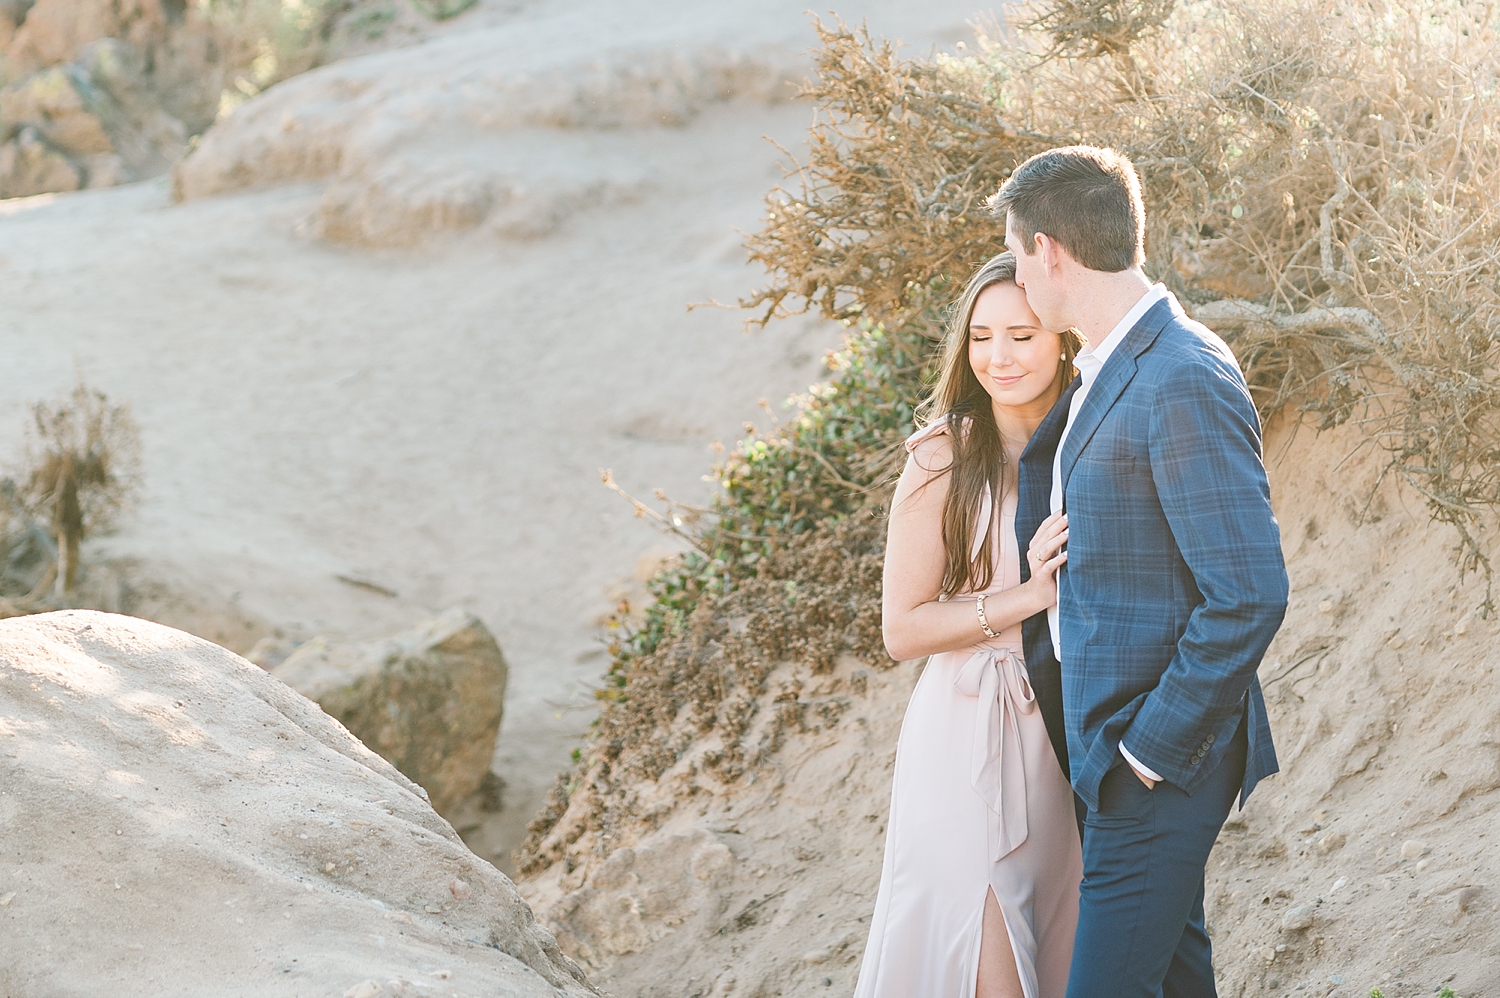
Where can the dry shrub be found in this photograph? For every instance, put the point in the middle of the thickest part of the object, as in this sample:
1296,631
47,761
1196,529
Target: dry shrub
808,602
1322,182
83,470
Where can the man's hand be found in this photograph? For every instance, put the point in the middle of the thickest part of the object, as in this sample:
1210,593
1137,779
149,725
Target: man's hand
1150,783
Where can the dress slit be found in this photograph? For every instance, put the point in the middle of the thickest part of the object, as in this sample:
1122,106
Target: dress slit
1014,947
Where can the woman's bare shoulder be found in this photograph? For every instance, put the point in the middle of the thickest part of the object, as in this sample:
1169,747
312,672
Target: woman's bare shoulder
930,451
929,458
935,440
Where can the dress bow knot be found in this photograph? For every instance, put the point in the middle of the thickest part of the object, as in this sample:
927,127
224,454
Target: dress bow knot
996,677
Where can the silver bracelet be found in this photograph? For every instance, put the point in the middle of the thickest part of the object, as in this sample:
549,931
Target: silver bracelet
984,622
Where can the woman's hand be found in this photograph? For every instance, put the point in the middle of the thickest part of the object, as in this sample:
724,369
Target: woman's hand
1046,555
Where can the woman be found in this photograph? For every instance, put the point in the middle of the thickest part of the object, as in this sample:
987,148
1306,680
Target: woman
979,890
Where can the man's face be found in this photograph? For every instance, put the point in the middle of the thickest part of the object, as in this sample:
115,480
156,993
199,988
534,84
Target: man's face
1042,291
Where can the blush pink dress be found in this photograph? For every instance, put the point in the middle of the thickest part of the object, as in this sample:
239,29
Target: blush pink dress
978,802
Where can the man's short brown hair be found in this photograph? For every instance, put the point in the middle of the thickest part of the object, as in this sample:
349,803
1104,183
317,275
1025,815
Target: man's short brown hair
1086,198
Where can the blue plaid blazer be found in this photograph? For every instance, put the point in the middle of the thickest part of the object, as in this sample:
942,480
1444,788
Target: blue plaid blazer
1175,582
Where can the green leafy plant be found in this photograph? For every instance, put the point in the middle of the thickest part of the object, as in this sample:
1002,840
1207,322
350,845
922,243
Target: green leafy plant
262,42
790,549
834,456
441,10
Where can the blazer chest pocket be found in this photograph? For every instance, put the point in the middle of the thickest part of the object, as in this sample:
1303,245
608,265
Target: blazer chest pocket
1104,467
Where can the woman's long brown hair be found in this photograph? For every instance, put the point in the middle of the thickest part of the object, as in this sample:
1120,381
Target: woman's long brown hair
978,450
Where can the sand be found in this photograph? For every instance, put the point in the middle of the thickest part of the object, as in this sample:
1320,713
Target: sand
432,419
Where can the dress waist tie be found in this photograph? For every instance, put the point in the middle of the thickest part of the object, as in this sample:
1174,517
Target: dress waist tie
998,771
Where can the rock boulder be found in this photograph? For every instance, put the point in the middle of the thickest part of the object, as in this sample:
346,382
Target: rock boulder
439,138
178,822
429,700
93,122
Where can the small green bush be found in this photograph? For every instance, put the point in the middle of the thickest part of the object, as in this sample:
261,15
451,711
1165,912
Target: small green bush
835,455
792,547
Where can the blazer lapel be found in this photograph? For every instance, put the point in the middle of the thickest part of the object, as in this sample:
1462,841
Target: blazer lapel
1111,383
1034,494
1043,443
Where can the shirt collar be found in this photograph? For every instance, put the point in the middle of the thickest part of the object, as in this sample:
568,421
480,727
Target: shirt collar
1091,358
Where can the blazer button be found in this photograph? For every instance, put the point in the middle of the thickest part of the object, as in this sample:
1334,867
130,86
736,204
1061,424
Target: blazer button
1210,739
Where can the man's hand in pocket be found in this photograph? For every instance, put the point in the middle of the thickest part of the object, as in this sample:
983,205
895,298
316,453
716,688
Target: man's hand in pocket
1150,783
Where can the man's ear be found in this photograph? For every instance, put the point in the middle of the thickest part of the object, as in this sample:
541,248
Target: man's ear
1050,252
1047,254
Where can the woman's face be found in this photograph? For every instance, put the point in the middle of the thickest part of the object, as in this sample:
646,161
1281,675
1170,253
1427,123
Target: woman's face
1014,358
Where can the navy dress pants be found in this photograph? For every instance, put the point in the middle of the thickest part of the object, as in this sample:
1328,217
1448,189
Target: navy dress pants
1140,917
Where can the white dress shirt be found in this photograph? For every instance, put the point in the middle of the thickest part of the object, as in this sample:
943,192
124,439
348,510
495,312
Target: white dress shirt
1089,362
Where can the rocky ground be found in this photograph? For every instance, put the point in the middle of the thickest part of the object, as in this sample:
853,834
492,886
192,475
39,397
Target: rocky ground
761,887
429,700
1366,863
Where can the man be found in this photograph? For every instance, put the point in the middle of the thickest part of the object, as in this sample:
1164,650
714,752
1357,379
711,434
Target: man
1174,584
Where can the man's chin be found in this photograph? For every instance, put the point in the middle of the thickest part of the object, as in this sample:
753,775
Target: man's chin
1049,319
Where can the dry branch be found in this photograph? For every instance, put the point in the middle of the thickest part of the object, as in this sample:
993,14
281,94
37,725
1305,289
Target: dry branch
1323,186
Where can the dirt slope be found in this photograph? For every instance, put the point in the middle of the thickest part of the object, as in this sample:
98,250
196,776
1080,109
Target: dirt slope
1366,863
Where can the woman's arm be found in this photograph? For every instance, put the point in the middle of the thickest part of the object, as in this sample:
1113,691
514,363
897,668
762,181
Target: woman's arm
913,621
